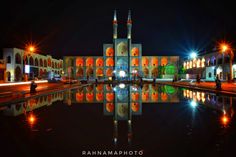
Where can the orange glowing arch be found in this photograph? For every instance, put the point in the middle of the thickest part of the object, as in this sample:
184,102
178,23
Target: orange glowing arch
145,61
109,51
135,51
135,107
135,62
154,96
89,97
164,61
164,96
109,72
79,97
135,96
110,107
89,61
99,62
99,72
79,61
99,96
145,96
154,61
109,97
109,62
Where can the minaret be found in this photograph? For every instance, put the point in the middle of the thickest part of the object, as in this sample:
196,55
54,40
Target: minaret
115,25
129,25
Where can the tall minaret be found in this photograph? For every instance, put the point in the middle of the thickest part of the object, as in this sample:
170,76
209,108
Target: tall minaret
115,25
129,25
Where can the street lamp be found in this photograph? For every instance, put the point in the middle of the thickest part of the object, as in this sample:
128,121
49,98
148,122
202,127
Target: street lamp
225,48
193,54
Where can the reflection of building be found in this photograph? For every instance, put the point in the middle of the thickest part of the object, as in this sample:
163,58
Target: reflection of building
121,55
208,66
20,63
218,102
32,104
104,93
2,70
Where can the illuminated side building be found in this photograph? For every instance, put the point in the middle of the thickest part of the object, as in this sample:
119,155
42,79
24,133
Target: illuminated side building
121,58
22,65
208,66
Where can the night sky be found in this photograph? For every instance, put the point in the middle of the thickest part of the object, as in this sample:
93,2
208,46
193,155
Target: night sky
81,27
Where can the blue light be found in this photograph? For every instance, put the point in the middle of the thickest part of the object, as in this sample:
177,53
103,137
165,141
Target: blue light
193,54
193,104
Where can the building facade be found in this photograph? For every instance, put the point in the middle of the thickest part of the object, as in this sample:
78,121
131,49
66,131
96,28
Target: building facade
208,66
121,58
22,65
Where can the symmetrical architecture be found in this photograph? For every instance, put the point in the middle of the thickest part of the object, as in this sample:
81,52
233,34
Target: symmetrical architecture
22,65
208,66
121,58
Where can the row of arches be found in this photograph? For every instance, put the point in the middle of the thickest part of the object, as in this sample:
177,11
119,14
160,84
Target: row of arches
35,61
90,61
109,97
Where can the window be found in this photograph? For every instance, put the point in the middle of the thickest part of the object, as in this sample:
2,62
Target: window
9,59
209,74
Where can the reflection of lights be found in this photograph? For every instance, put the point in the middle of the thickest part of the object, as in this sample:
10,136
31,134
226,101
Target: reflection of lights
114,89
129,121
224,120
31,119
122,73
193,54
110,78
122,85
134,71
114,71
134,88
22,83
193,104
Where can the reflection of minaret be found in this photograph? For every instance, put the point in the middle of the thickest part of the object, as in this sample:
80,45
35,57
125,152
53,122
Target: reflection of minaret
129,25
115,25
129,117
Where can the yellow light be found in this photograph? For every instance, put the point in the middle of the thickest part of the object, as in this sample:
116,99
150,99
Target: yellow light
31,48
224,120
31,119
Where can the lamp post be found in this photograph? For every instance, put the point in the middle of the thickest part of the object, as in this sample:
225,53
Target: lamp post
29,50
225,48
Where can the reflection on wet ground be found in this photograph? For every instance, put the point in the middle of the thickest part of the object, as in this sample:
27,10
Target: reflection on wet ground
161,120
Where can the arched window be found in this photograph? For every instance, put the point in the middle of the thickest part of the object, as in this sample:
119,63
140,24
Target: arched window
45,63
36,62
17,58
9,59
31,61
41,62
209,74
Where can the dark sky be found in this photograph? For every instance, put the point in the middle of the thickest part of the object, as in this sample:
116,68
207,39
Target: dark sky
80,27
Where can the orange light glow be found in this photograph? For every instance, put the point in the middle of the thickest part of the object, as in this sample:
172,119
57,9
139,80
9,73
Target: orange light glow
31,119
224,120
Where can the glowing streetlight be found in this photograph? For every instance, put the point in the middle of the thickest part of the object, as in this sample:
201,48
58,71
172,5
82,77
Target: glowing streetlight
31,48
193,104
193,54
225,48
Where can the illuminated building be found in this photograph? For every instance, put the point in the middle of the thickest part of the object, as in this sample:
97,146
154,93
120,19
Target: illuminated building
208,66
121,58
21,65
